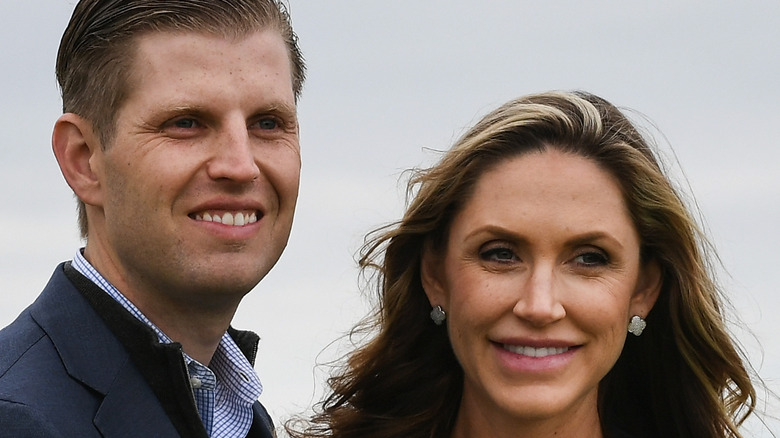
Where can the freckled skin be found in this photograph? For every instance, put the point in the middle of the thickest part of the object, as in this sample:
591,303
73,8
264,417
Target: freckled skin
544,251
209,123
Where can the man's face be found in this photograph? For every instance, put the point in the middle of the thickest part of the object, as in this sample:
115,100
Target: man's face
198,187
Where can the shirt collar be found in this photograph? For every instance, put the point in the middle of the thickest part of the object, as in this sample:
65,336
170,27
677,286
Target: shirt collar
228,363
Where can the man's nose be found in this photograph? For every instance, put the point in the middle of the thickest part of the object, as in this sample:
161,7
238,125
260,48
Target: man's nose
538,298
233,156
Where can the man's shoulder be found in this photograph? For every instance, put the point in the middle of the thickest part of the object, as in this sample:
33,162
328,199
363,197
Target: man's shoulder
16,341
22,421
27,353
32,377
22,343
61,369
59,330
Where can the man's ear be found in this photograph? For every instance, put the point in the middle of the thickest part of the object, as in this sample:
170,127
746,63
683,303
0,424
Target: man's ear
647,290
78,152
432,277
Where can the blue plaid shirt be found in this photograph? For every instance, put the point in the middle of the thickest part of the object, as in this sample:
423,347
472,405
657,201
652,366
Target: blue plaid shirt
224,391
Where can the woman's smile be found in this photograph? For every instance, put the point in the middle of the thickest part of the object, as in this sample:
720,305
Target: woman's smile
540,275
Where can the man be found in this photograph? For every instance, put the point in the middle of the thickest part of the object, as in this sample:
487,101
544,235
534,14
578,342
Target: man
180,140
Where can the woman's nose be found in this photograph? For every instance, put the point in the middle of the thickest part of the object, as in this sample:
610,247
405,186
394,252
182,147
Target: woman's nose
538,298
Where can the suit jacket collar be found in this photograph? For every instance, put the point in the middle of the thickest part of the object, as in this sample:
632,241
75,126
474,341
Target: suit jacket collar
92,355
89,352
106,348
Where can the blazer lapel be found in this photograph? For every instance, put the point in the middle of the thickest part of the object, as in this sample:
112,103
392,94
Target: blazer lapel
130,409
92,355
88,350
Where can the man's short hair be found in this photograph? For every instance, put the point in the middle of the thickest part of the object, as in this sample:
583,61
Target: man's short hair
96,53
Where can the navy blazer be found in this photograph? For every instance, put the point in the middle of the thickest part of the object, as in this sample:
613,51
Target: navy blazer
77,364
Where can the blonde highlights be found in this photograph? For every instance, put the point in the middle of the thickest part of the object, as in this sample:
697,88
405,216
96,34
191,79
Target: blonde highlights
683,377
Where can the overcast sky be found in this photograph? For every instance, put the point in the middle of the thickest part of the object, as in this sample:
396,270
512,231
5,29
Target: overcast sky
389,82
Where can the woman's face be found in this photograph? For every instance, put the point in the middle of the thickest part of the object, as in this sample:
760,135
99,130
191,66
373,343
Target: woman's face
539,280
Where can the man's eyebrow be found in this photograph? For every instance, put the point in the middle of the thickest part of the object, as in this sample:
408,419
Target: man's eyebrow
182,109
280,108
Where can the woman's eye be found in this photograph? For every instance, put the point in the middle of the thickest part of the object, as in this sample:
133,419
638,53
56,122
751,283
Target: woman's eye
592,258
502,255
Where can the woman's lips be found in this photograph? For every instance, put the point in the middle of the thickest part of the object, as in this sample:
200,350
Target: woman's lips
534,351
519,357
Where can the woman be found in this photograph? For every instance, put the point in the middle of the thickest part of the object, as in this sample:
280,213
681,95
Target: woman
546,280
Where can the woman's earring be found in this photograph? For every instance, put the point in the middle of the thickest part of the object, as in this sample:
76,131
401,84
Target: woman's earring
437,315
637,325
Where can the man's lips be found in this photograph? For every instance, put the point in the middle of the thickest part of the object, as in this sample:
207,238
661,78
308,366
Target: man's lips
236,218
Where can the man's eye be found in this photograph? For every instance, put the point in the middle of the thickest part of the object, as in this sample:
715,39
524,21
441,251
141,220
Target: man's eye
267,123
185,123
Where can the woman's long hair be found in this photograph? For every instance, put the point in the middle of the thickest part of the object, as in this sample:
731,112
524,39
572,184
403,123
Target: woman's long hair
684,377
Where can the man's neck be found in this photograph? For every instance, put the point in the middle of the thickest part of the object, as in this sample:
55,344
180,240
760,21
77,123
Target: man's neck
197,323
198,333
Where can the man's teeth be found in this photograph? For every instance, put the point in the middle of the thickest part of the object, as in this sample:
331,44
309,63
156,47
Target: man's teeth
236,219
535,352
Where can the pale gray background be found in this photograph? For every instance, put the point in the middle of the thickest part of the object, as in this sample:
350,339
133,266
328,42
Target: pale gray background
390,80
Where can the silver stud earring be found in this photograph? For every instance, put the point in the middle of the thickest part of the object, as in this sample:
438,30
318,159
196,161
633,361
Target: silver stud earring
637,325
438,315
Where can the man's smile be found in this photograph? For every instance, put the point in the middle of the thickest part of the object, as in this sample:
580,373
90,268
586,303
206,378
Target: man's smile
235,218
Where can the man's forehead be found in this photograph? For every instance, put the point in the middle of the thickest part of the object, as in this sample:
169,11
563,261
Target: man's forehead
162,47
154,36
168,68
